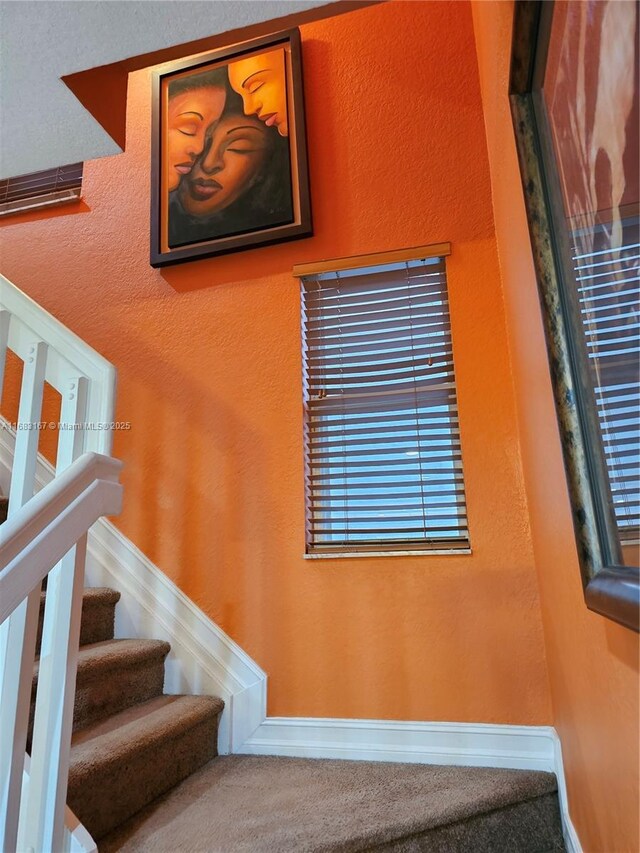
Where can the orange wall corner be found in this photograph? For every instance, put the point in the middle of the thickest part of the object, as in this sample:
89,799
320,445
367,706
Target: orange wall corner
592,662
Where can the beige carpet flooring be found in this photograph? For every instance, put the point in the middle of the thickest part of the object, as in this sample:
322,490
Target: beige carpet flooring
252,804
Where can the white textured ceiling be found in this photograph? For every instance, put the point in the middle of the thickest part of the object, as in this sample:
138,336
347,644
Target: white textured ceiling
42,124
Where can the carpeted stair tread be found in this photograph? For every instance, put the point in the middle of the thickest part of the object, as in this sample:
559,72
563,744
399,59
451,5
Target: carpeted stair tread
255,804
101,593
122,763
113,675
98,615
97,660
111,739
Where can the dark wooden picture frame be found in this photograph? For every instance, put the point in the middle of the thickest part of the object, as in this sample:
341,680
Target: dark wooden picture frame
611,588
228,151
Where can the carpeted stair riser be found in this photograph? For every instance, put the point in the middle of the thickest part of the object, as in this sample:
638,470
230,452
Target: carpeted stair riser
533,826
98,616
262,804
110,785
113,675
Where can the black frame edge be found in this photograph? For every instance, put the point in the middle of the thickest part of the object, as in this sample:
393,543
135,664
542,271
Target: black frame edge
235,243
611,590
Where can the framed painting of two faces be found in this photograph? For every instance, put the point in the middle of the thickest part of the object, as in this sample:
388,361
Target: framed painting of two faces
229,159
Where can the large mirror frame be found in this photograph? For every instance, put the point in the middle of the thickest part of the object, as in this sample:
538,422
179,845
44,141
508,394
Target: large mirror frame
610,588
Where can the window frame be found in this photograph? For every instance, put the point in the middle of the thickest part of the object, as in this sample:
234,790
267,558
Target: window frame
303,272
49,195
610,588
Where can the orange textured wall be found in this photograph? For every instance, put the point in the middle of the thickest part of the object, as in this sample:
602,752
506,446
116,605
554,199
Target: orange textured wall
209,365
593,663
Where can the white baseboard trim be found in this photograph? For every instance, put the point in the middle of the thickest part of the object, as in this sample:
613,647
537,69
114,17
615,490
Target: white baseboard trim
203,659
465,744
571,840
461,744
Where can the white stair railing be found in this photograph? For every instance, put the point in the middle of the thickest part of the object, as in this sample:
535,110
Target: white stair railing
42,530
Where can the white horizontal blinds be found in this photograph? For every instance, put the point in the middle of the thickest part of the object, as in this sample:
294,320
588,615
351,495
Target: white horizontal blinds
384,468
40,188
609,292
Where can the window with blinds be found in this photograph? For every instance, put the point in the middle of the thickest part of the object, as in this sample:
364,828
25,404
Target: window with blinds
383,459
40,189
609,293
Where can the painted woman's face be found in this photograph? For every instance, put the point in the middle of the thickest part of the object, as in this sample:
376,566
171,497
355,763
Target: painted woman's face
261,82
233,156
189,114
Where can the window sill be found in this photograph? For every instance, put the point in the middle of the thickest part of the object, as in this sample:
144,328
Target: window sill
449,552
12,208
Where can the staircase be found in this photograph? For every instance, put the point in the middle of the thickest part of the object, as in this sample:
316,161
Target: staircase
130,742
141,776
83,716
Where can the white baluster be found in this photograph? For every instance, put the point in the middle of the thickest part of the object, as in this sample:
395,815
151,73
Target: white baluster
18,633
5,319
42,821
